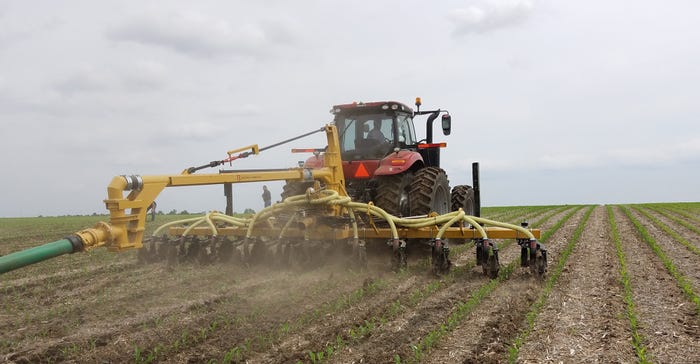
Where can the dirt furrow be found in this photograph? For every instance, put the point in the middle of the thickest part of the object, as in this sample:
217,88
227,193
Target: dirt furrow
486,334
668,322
318,335
398,335
156,315
583,320
395,337
687,263
691,236
251,312
682,214
321,334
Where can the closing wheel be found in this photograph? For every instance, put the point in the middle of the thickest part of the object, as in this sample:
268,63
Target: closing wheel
225,251
524,256
491,266
206,251
541,263
392,194
359,252
485,252
480,257
463,197
362,257
398,258
147,253
430,192
440,257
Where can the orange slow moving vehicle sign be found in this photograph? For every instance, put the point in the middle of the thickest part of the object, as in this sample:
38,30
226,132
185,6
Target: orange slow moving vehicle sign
361,171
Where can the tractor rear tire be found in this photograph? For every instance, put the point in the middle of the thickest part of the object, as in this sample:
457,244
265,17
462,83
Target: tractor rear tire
295,188
430,192
392,194
463,197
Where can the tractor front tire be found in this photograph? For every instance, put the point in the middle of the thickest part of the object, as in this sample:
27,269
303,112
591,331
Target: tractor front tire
463,197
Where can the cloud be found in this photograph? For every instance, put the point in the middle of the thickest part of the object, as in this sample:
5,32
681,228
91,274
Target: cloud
190,132
489,15
143,76
200,35
664,153
13,32
244,110
670,153
87,80
139,76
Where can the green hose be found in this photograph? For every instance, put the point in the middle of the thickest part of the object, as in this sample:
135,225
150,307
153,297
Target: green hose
35,255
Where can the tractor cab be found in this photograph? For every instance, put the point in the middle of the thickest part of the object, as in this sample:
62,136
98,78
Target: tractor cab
376,139
384,161
372,131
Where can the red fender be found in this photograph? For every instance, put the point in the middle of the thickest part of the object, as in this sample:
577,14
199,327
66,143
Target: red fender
397,163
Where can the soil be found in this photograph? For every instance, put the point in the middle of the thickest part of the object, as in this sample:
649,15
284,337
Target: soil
104,307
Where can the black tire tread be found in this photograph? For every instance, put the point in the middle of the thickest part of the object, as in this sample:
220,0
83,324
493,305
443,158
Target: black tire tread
423,188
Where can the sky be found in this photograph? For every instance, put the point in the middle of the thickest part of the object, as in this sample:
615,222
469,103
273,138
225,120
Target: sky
561,102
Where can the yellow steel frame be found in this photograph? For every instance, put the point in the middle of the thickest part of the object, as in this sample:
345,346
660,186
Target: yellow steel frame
493,232
128,213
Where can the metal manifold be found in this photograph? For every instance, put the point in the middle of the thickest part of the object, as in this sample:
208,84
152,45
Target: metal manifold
306,230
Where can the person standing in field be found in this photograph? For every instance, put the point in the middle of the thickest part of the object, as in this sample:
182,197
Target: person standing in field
152,209
267,198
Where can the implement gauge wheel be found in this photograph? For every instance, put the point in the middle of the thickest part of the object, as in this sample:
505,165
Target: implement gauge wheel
463,197
430,192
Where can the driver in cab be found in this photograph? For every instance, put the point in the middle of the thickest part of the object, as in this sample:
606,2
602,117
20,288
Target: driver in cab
376,133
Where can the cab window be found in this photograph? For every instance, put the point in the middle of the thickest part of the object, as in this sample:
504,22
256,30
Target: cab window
406,133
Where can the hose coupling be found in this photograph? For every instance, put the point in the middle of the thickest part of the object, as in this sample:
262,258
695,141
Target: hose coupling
133,182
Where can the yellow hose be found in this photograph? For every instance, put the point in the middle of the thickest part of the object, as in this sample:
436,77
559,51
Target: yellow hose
458,217
178,222
286,226
505,225
195,224
332,198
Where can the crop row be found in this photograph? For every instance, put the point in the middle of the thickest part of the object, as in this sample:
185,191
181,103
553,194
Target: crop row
637,339
682,282
356,332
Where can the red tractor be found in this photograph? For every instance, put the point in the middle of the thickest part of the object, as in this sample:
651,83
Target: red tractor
385,162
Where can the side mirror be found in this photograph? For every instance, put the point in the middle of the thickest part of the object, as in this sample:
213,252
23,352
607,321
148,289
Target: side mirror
446,124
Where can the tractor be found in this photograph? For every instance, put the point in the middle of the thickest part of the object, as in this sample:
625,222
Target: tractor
384,162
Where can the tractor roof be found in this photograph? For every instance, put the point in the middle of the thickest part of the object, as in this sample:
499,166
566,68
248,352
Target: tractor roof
371,106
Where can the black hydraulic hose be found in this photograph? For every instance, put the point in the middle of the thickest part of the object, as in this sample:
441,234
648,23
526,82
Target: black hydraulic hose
210,164
246,154
287,141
